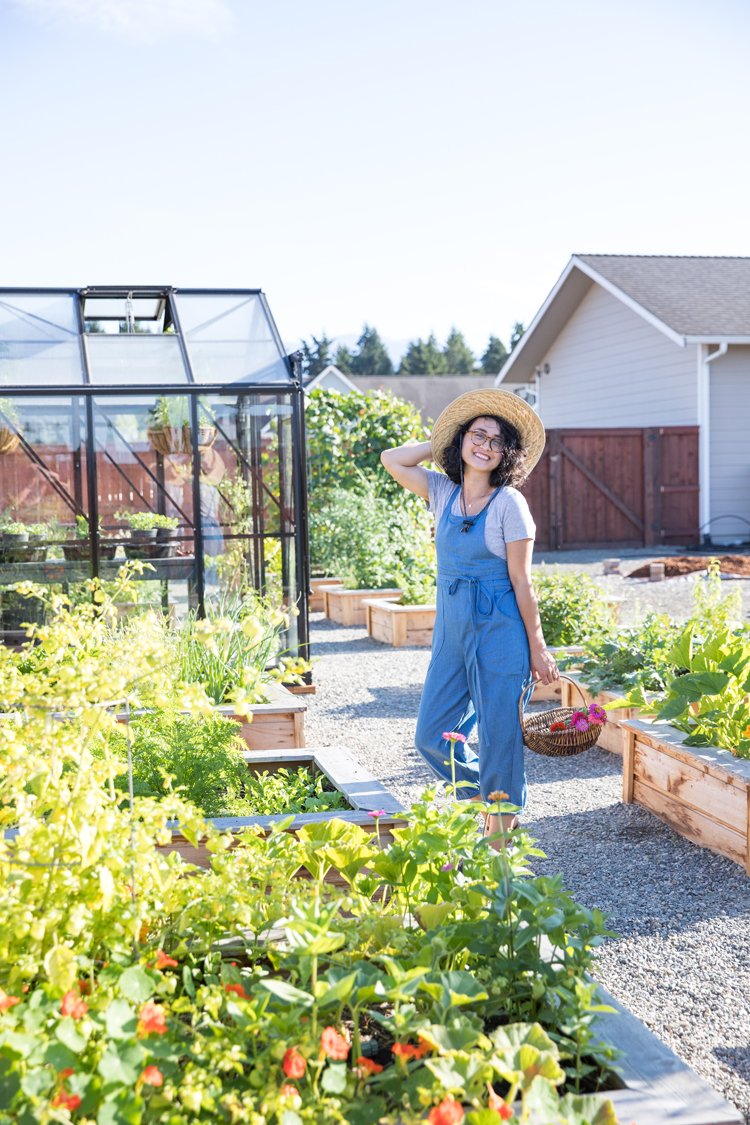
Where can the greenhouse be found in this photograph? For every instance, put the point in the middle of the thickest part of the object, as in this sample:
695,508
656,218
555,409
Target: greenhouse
150,424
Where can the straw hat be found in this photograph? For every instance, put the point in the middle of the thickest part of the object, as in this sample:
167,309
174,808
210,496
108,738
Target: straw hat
505,405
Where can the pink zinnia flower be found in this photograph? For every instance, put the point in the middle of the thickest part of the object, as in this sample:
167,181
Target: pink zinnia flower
447,867
452,736
377,812
578,715
597,714
581,724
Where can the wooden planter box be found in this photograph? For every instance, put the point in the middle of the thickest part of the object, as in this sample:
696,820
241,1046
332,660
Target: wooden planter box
612,736
315,602
346,606
399,625
701,792
362,790
279,725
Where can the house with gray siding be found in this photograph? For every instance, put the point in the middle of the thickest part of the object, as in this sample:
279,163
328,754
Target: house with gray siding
657,345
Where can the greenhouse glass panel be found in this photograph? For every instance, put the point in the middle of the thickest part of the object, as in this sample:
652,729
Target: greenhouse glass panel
44,536
39,340
145,498
130,359
247,500
230,339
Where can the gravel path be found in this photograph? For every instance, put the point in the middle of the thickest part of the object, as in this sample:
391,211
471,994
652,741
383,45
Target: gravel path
682,960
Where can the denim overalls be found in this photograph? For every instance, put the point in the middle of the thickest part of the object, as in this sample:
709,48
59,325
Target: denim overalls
479,665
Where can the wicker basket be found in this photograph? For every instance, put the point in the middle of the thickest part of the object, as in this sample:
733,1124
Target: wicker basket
559,743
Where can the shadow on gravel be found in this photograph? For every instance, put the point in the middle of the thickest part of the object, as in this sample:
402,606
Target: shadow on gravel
592,763
736,1059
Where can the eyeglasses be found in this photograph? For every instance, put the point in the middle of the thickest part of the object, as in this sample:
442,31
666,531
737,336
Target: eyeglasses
479,437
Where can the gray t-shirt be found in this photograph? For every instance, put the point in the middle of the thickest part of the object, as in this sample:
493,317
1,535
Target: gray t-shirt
508,519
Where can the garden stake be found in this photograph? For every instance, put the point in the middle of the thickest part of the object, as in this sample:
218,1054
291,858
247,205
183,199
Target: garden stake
132,815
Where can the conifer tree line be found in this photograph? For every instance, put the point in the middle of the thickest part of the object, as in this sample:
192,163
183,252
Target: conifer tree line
423,357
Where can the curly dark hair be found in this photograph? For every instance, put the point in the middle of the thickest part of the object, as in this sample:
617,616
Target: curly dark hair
511,468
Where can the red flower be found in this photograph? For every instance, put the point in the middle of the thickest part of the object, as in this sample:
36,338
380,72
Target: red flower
408,1051
557,726
7,1001
333,1044
152,1075
447,1113
73,1006
369,1066
288,1091
497,1103
152,1019
294,1064
163,961
67,1072
237,988
67,1101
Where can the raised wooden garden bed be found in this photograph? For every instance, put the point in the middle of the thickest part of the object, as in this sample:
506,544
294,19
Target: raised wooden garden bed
361,789
612,736
399,625
315,601
702,792
346,606
278,725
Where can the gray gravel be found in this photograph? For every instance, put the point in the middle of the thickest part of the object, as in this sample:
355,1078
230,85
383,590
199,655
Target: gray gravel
682,959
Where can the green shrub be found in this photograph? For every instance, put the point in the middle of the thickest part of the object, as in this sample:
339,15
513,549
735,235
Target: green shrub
638,655
144,521
571,607
366,540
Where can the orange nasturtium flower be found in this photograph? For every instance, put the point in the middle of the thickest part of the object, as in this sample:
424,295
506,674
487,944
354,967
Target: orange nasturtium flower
236,988
72,1005
66,1101
449,1112
163,961
408,1051
152,1019
294,1064
497,1103
7,1001
369,1066
333,1044
153,1076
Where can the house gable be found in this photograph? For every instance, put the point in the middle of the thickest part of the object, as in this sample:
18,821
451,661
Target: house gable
609,367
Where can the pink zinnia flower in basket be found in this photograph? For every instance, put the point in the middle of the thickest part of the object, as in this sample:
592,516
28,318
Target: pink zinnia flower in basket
597,714
580,724
452,736
578,715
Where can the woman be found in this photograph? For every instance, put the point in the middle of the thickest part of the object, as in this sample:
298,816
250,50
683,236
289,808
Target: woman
487,645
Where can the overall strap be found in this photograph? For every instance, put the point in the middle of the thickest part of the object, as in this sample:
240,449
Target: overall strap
469,523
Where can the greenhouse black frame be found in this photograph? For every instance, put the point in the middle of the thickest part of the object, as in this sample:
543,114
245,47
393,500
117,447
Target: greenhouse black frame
123,407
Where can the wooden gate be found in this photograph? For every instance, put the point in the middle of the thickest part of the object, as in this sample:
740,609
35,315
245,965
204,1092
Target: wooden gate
616,488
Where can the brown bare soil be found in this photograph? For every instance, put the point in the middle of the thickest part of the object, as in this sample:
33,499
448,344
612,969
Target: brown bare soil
675,566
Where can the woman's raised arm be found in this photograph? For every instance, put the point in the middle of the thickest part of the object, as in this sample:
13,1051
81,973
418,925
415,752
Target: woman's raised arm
403,463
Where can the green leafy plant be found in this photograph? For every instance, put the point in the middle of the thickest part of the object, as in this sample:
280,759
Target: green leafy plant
297,791
137,987
571,606
366,540
637,655
174,410
144,521
709,701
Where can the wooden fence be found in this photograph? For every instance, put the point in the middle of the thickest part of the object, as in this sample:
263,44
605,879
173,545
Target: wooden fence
616,488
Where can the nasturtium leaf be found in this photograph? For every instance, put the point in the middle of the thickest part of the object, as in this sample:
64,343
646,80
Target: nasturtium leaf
125,1108
36,1081
430,916
67,1032
120,1020
17,1045
444,1038
289,1117
541,1098
10,1083
121,1063
587,1109
59,1057
483,1117
61,967
334,1078
287,992
136,984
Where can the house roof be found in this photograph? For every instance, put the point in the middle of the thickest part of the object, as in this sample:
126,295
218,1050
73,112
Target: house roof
689,299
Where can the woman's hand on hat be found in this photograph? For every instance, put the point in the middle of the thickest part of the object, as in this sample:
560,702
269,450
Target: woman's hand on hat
544,666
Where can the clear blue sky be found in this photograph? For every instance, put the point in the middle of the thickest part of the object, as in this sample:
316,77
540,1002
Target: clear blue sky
412,163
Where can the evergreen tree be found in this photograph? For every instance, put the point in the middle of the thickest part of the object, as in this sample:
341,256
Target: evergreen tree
518,331
495,356
318,356
372,359
459,357
344,360
424,358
